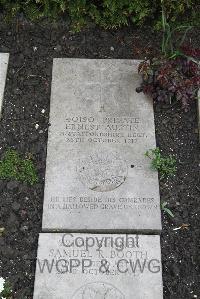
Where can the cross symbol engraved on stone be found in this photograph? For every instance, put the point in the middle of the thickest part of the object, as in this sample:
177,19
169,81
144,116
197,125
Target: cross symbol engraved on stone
102,109
102,83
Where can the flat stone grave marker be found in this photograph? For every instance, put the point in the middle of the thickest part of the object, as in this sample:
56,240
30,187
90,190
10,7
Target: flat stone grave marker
4,57
89,266
97,176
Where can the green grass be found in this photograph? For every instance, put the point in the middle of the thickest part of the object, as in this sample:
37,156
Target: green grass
165,165
13,167
166,209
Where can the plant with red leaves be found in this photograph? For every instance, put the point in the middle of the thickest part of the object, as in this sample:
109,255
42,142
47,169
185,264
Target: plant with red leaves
175,76
168,80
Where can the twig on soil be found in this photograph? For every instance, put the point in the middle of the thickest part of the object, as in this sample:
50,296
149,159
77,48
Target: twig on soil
183,226
20,68
171,105
198,188
36,76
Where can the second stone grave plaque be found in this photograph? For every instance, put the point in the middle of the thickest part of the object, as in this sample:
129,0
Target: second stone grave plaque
89,266
4,57
97,175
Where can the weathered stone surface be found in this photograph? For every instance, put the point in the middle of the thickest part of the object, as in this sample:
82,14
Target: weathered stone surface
3,72
97,177
89,266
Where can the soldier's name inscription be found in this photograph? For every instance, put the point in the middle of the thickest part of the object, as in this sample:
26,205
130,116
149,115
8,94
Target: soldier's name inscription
99,254
98,266
121,130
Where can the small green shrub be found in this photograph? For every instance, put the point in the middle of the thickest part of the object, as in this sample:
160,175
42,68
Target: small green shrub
165,165
106,13
7,291
114,13
13,167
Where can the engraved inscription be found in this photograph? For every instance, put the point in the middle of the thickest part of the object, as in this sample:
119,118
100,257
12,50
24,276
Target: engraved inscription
73,203
98,290
102,171
118,130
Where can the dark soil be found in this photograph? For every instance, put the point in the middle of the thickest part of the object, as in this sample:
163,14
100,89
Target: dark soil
32,48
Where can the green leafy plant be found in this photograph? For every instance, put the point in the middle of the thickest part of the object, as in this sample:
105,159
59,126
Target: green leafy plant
167,210
169,38
13,167
7,291
165,165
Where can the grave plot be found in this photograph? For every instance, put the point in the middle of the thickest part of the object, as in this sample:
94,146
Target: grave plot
98,266
3,72
98,179
97,176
